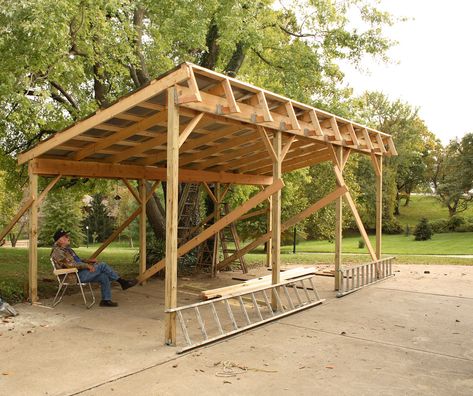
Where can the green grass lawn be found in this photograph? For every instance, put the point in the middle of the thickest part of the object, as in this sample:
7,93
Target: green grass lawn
454,243
425,206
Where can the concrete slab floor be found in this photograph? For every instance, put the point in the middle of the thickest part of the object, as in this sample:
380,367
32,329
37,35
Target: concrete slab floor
411,334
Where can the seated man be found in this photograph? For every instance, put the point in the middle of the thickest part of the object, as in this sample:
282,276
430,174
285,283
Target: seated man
89,271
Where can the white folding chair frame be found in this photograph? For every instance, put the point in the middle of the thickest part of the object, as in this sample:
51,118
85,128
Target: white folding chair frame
61,275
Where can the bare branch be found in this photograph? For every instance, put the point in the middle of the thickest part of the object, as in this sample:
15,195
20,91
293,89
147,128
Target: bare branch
267,61
69,98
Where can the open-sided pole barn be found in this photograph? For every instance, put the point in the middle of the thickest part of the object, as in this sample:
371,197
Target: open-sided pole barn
198,126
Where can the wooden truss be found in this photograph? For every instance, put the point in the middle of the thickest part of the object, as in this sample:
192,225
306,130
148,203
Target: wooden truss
194,125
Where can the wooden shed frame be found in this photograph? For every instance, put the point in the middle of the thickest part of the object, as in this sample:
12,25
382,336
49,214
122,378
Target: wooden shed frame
195,125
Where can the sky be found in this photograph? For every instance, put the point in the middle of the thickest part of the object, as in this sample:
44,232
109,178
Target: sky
432,66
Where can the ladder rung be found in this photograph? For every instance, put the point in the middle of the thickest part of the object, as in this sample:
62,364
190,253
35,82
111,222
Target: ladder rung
217,320
201,322
230,314
305,290
184,328
291,305
243,309
266,300
255,303
294,287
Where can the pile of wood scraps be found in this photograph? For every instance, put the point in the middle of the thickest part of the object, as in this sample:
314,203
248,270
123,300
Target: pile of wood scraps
256,283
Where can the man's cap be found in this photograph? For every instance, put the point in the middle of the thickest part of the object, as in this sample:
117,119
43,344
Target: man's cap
60,233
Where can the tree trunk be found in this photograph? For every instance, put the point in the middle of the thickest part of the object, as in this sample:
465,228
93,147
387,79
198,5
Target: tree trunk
236,60
408,199
397,204
155,215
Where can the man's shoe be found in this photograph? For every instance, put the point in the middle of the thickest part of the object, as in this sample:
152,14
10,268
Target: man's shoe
108,303
126,284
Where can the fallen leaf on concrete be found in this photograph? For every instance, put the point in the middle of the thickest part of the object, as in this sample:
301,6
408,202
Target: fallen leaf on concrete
456,320
330,367
226,382
426,272
343,333
7,373
174,365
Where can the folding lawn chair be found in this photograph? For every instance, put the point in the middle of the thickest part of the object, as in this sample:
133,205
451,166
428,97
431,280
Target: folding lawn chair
64,282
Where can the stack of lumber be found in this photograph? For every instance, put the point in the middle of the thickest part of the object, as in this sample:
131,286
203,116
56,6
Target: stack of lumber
255,284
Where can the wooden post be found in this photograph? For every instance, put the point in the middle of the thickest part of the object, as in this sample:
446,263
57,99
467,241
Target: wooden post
269,227
379,206
170,290
142,188
217,235
338,221
276,217
33,234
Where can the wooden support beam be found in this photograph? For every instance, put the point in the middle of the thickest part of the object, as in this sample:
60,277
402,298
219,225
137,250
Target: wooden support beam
208,138
125,224
189,128
335,129
49,167
392,147
353,137
288,224
132,190
121,135
292,117
380,142
172,197
261,97
254,213
232,159
346,155
143,200
193,85
45,192
338,163
287,146
379,206
26,206
368,142
224,193
210,193
33,236
147,92
269,228
217,226
316,124
276,217
359,223
229,144
217,235
15,219
232,103
375,164
264,137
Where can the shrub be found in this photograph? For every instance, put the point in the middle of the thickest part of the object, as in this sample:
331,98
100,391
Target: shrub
439,226
454,222
392,226
423,230
361,244
467,227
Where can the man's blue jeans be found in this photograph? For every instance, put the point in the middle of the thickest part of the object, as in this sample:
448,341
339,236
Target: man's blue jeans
104,275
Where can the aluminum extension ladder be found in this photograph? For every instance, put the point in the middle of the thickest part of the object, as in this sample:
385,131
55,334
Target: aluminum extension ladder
208,321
